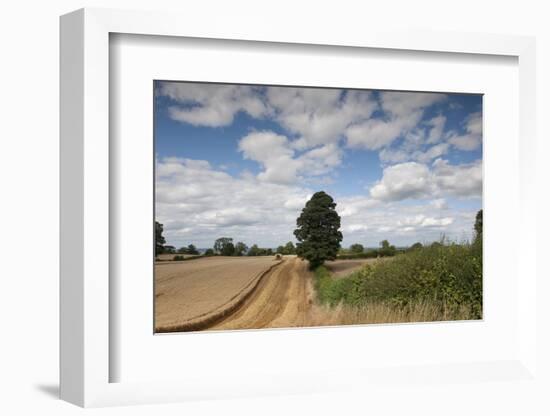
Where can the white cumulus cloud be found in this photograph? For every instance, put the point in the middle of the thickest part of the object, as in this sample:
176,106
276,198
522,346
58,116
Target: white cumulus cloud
413,180
403,111
212,105
319,116
403,181
281,163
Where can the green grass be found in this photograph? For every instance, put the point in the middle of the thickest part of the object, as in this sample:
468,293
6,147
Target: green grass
446,277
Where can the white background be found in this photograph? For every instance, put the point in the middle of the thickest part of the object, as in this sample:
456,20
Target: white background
29,174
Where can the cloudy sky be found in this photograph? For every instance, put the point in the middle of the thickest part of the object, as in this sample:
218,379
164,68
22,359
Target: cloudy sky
241,161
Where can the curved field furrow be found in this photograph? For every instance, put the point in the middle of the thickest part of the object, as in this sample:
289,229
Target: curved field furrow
283,298
192,295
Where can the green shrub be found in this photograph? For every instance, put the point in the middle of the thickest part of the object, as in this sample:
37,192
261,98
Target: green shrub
178,258
333,291
449,276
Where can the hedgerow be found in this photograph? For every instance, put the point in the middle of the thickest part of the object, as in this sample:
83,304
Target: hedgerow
447,275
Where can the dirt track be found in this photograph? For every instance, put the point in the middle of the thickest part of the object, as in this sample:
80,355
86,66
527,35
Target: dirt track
283,298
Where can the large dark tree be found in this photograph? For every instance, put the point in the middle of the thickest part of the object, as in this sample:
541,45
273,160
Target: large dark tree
159,239
318,232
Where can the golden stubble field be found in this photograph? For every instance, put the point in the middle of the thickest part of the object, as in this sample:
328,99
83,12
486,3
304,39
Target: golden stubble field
190,295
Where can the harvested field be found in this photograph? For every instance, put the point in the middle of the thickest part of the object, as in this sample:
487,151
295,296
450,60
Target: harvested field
188,295
342,268
232,293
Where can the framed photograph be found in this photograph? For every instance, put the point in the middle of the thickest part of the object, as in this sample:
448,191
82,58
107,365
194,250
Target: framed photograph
279,214
285,207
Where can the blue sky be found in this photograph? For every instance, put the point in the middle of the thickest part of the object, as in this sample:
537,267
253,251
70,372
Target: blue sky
240,161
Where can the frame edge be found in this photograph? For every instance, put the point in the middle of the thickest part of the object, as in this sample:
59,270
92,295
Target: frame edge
71,219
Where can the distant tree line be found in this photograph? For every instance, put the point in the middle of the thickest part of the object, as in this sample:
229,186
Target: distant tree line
223,246
190,249
358,251
288,248
259,251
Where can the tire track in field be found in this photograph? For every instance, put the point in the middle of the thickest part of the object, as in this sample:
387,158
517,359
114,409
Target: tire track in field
281,299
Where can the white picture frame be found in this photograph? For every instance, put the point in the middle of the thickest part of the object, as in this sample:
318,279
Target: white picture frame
85,211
